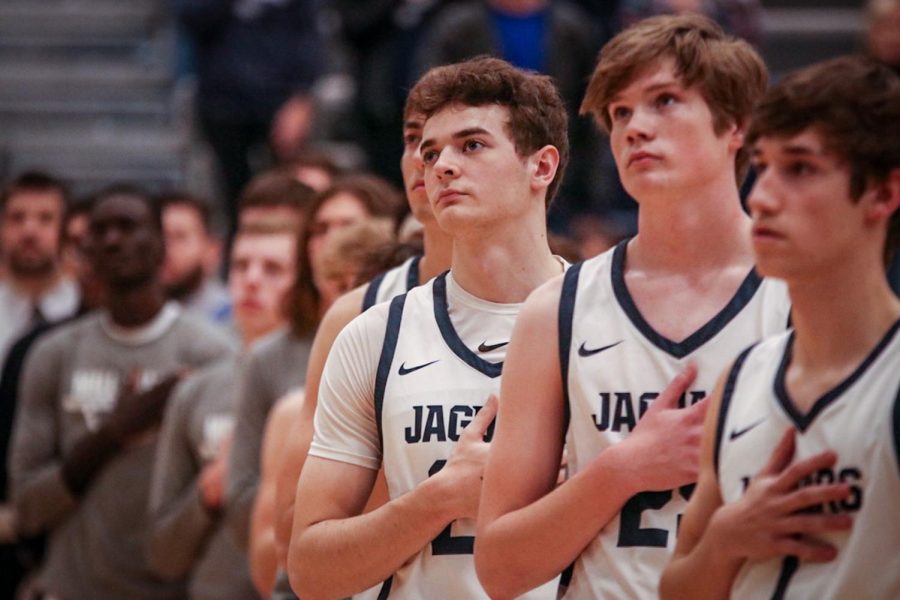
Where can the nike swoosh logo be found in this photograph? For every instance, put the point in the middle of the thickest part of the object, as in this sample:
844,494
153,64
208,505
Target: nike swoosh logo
584,351
404,371
735,434
485,347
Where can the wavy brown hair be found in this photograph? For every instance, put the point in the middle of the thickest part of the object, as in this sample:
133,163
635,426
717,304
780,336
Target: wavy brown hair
380,198
727,71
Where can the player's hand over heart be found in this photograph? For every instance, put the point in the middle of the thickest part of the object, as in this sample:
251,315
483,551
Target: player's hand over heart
769,519
664,448
466,464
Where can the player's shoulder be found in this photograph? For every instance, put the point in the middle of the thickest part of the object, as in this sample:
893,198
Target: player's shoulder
344,309
61,338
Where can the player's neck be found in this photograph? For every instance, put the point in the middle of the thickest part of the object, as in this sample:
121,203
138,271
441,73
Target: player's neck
135,306
438,252
506,263
692,233
839,318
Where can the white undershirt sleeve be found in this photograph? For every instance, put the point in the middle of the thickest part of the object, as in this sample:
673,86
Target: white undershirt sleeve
345,426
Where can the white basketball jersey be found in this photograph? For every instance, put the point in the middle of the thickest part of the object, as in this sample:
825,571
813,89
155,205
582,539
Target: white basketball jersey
614,365
393,282
429,386
859,419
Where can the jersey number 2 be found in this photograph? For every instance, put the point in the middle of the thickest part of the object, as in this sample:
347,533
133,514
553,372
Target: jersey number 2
445,543
630,531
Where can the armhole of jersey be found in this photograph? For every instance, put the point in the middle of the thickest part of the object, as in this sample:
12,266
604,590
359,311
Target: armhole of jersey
897,428
564,325
727,393
391,334
371,294
412,274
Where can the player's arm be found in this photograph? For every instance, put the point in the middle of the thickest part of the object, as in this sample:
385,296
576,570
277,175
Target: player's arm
529,530
251,410
179,522
262,554
715,540
39,493
335,551
296,447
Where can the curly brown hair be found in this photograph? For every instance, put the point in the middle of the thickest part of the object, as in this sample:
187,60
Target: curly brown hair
537,114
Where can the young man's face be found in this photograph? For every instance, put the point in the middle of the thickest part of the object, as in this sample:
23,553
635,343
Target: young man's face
188,247
803,216
262,271
125,247
473,175
30,232
413,170
662,136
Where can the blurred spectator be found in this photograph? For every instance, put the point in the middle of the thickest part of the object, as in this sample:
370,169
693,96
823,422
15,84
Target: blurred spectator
344,256
278,363
275,196
18,556
92,396
554,37
256,61
34,288
187,495
381,36
883,31
317,170
192,257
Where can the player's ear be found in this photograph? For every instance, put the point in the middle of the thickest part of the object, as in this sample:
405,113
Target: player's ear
735,132
884,197
543,164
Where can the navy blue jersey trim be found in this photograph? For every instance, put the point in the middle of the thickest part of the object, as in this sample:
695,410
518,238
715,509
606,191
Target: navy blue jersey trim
412,275
391,334
727,394
741,298
442,316
385,590
804,421
371,295
564,323
789,566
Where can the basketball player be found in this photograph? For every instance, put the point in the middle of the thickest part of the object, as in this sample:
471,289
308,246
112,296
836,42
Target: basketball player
407,383
418,269
674,94
801,439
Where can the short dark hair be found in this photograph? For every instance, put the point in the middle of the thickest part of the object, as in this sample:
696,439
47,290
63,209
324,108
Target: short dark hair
727,71
274,189
181,198
132,191
537,113
35,181
853,102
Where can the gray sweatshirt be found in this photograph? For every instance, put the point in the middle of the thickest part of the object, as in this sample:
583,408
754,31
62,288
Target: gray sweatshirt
276,365
185,537
70,384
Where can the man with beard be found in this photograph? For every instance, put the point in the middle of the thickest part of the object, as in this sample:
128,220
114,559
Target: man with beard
34,289
192,254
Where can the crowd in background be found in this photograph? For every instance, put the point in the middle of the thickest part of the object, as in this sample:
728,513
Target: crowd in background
234,306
